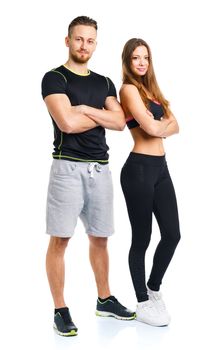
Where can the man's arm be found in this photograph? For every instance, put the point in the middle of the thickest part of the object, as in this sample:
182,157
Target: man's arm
67,117
112,117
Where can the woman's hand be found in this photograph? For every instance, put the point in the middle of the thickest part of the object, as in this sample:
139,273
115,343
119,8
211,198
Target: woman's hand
149,114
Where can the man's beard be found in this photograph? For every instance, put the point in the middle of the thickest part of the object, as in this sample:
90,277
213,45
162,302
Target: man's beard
78,59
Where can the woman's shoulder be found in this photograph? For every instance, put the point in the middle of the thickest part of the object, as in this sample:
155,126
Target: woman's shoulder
128,88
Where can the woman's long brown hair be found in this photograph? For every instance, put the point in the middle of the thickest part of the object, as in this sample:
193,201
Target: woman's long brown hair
146,85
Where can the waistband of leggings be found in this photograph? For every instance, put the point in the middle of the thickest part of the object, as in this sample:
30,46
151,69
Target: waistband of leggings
146,159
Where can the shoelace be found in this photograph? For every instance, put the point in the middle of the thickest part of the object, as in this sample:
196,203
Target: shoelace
147,304
158,299
115,301
67,318
156,296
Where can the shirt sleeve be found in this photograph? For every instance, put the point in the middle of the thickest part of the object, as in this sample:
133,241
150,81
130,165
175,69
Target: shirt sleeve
53,82
111,88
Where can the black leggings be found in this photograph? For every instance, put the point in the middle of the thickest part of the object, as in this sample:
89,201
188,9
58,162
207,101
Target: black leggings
148,189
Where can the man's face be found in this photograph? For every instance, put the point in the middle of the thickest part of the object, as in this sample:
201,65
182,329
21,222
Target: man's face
81,43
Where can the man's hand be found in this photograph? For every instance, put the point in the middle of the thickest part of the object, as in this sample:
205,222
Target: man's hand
69,119
81,109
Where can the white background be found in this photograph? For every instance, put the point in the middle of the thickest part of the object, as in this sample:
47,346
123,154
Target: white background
185,46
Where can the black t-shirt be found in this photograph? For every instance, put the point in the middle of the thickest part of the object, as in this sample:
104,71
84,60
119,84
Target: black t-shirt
91,90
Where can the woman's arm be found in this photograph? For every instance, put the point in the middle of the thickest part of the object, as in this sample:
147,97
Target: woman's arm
133,104
172,128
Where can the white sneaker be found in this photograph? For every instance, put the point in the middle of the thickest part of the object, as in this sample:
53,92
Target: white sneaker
157,300
148,313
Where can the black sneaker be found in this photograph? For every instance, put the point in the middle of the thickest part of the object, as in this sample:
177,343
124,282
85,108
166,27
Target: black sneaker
63,324
112,307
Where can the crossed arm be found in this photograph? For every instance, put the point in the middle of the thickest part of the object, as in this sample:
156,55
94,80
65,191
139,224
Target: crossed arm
77,119
112,117
133,104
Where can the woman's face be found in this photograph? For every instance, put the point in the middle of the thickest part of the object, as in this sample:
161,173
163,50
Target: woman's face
140,61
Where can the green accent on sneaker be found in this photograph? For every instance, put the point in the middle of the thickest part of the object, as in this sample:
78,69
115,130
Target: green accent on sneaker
63,324
104,302
112,308
110,314
69,334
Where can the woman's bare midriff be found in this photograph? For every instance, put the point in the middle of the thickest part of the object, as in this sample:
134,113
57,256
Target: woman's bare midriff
146,144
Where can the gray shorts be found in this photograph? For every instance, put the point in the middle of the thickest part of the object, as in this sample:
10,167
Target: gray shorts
78,189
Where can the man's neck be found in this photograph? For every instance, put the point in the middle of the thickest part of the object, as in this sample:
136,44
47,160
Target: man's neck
78,68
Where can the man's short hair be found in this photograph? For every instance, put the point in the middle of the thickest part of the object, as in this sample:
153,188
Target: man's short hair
82,20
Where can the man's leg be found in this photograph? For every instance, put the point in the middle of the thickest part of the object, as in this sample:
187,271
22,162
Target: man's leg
97,216
55,267
64,203
107,305
99,260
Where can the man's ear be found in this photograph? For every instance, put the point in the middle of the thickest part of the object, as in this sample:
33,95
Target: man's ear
67,40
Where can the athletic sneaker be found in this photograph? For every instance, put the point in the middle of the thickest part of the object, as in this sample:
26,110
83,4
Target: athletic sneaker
63,323
147,312
112,307
156,298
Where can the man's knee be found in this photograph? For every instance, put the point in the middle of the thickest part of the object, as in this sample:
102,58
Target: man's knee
58,244
98,242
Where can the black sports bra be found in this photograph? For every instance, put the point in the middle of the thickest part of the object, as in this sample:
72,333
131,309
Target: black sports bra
155,108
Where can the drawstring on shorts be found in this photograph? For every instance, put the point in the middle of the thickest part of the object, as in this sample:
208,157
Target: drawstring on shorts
92,166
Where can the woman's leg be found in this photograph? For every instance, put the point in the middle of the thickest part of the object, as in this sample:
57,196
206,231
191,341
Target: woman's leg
166,213
138,189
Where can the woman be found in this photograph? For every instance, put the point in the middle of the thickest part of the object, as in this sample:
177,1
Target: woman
145,179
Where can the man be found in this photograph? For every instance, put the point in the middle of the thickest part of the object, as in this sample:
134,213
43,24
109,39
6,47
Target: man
81,104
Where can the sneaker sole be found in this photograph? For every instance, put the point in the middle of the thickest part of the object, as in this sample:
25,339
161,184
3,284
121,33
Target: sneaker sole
110,314
69,334
151,323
